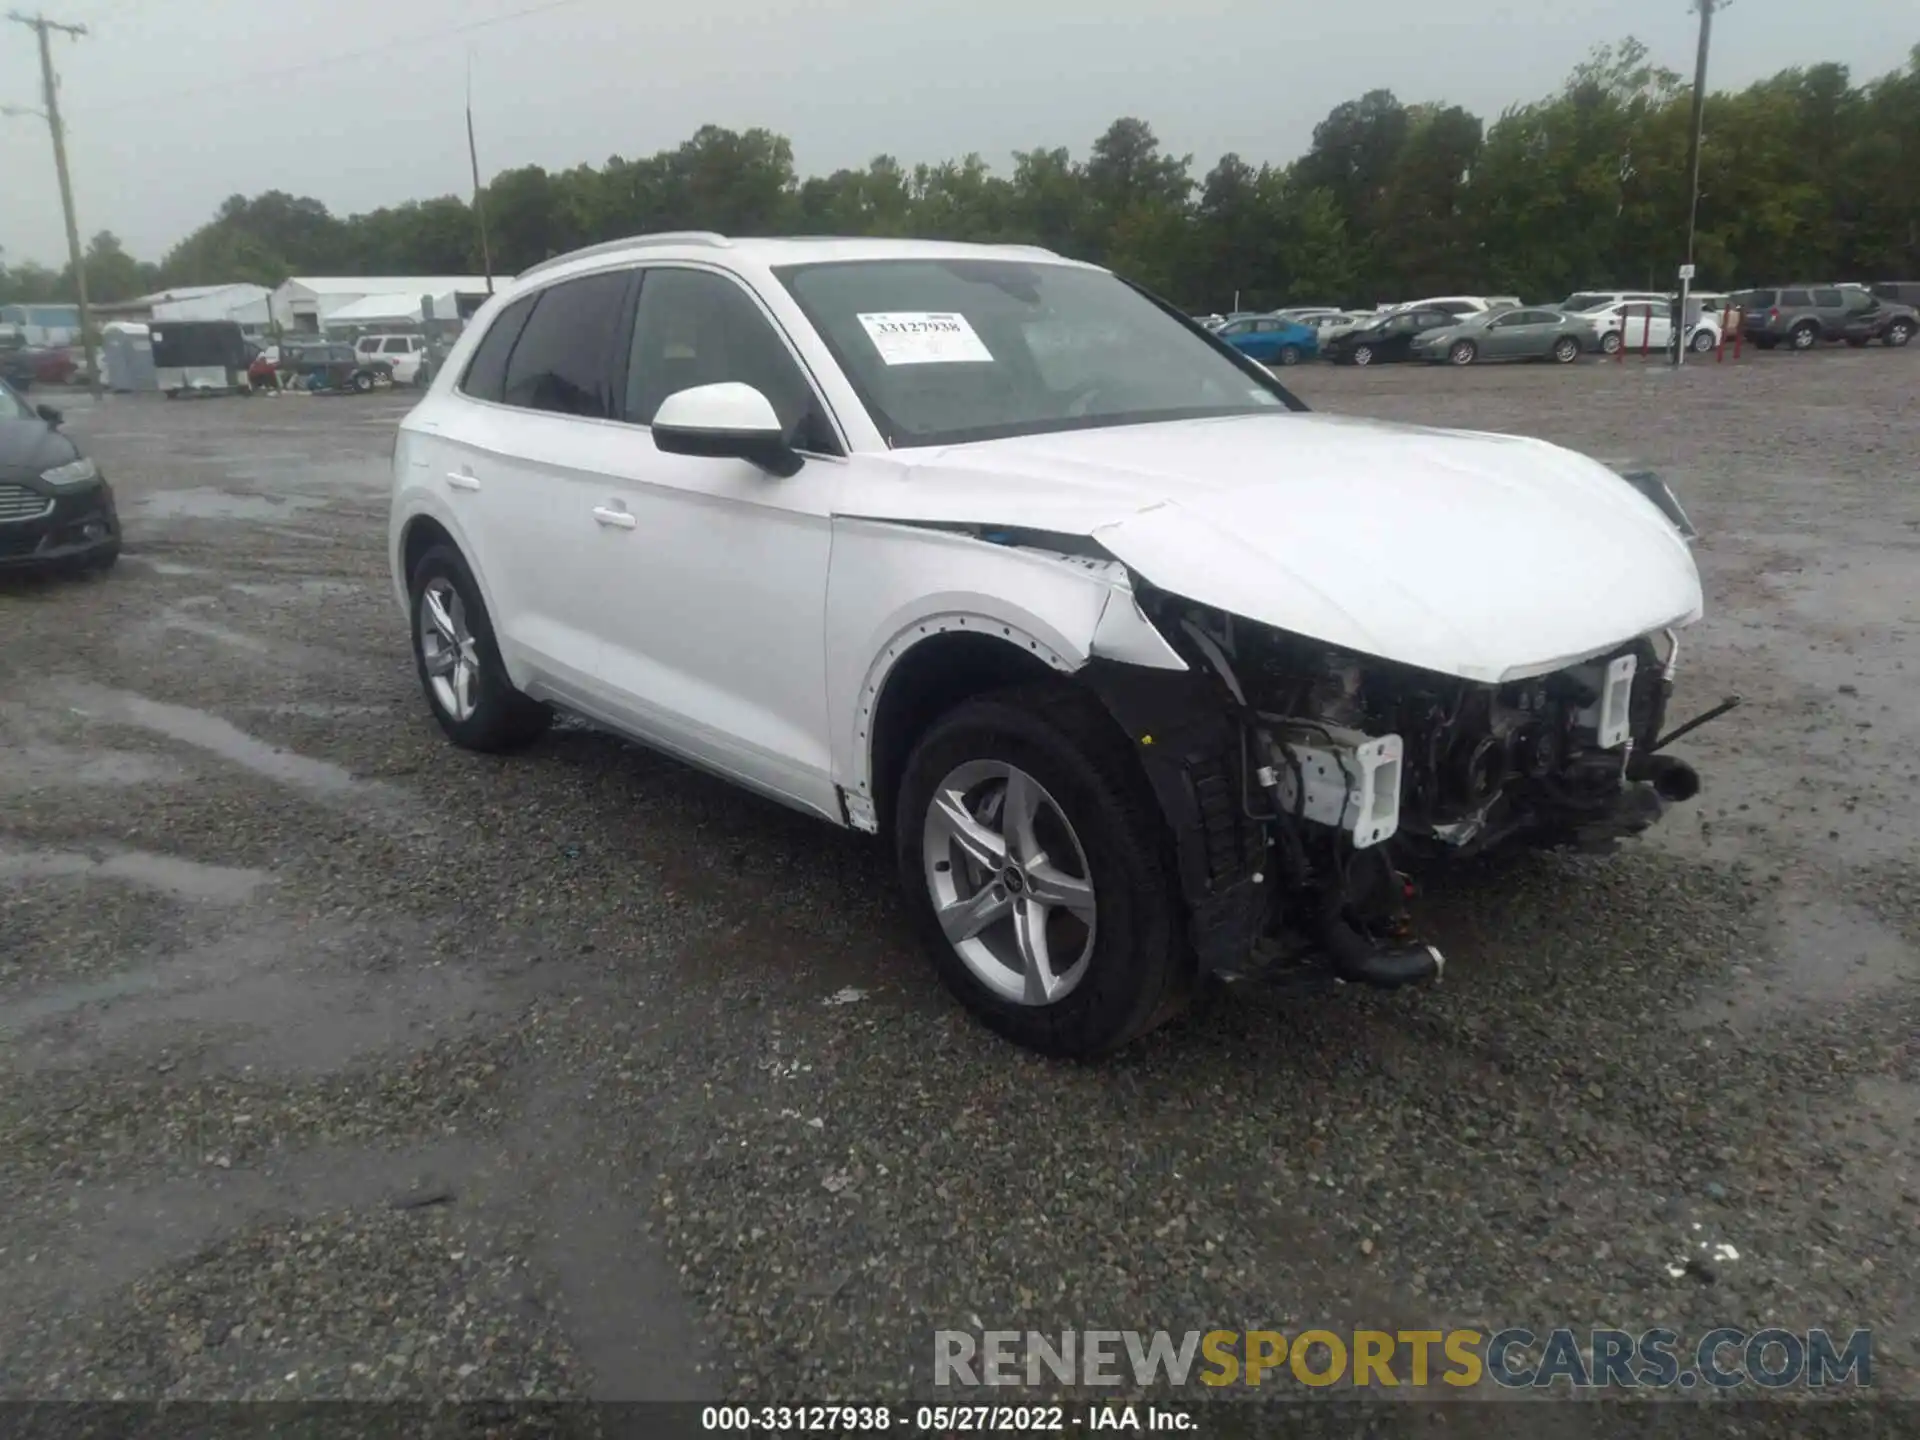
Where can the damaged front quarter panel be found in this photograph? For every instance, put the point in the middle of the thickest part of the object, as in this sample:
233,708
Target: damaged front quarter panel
1026,599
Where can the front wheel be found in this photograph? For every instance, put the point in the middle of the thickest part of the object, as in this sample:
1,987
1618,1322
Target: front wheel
1566,350
1462,352
1036,863
1363,354
459,661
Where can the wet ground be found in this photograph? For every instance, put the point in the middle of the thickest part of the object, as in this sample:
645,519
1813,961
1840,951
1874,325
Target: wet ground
340,1063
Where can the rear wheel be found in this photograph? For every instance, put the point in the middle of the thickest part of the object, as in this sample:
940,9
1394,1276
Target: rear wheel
1289,355
1036,864
362,382
1703,341
1899,332
1363,354
1566,350
459,662
1462,352
1804,336
1610,343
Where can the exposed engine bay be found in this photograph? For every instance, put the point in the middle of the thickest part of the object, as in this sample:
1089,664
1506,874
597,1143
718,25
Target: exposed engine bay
1323,772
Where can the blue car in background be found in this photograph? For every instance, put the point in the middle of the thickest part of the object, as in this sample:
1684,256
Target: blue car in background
1270,339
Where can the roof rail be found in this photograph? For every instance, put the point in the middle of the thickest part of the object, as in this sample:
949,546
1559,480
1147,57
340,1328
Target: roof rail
609,247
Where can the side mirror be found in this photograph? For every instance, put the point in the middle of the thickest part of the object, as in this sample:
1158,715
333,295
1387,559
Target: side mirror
729,421
52,416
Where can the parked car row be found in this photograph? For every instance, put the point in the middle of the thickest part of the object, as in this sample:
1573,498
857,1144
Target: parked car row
1467,329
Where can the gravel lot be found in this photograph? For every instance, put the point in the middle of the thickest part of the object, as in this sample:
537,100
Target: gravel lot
337,1063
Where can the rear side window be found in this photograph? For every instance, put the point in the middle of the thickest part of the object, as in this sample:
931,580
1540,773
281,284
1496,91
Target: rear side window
563,360
486,377
1829,298
1796,297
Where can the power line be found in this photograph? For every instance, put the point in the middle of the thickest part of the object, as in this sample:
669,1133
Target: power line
323,62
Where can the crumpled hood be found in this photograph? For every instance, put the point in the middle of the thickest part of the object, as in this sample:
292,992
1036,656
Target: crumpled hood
1486,556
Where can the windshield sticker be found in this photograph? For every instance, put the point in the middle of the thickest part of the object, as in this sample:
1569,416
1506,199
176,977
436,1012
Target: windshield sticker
918,337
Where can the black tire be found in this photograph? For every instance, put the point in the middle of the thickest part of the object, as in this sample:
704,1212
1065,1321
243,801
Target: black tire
1566,350
1898,333
1702,342
1804,337
1139,973
1289,355
362,382
503,719
1462,352
1610,343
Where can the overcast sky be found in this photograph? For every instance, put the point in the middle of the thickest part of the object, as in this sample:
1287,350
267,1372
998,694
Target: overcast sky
173,106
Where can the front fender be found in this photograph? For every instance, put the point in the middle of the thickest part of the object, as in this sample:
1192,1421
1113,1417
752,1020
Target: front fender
894,586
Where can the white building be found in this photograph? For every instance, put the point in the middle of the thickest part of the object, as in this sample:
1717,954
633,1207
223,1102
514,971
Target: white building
245,305
308,303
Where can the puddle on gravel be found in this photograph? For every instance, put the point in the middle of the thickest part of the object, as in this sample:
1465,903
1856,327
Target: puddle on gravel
1824,953
208,503
297,589
42,767
162,567
293,998
318,778
169,874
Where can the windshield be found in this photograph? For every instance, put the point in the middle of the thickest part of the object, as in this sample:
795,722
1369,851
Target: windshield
946,351
12,407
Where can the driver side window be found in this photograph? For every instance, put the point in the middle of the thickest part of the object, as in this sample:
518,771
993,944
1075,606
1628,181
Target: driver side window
695,327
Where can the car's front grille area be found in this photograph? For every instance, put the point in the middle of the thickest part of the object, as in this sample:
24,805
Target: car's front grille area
17,502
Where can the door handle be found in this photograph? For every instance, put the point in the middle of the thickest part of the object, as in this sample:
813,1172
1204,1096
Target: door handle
462,481
620,519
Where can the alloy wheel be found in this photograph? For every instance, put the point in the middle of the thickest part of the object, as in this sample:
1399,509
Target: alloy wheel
1461,353
1564,350
1803,339
1009,882
447,646
1900,333
1363,355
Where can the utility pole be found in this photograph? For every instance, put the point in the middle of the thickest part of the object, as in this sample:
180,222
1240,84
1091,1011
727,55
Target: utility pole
479,199
44,28
1706,9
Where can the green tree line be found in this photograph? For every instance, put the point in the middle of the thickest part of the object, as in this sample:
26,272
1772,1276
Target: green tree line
1805,175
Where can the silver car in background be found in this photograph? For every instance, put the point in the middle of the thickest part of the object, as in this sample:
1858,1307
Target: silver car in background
1526,333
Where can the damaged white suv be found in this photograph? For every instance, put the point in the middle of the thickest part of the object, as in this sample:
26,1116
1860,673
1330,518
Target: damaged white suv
1144,673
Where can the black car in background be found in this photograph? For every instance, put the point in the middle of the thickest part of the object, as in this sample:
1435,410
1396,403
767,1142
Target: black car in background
1387,339
56,508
